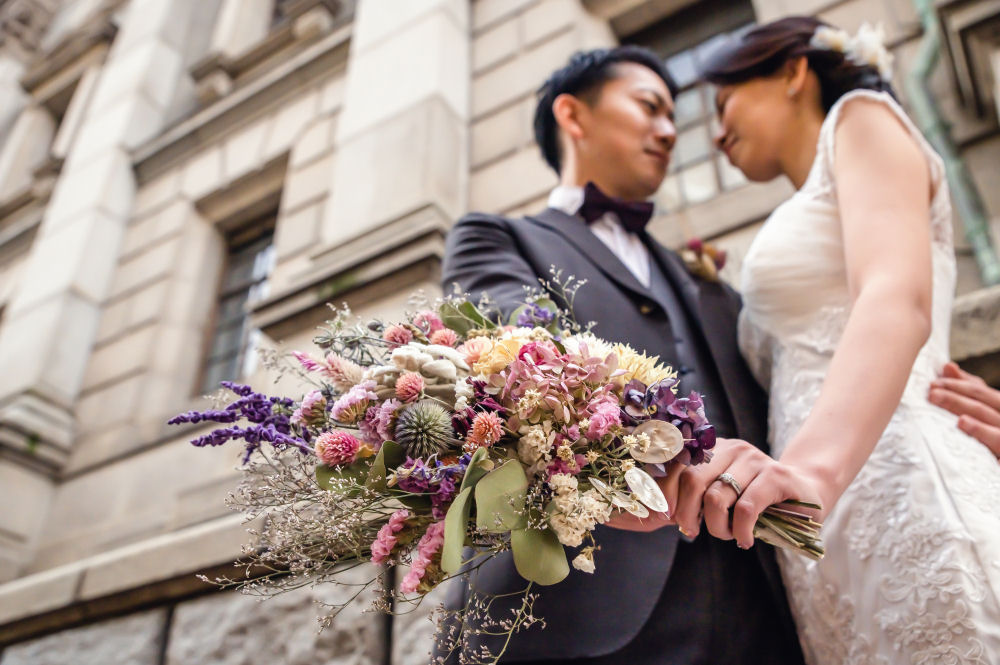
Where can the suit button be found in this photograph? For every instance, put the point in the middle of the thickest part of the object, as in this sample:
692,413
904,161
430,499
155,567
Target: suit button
645,308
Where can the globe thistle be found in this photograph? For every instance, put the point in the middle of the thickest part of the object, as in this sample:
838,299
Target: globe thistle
424,429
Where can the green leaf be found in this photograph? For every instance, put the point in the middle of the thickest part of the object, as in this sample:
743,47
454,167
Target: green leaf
416,502
325,474
479,465
389,456
455,522
539,556
463,317
500,496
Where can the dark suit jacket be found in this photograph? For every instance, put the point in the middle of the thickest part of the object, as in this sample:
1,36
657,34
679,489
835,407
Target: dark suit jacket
485,253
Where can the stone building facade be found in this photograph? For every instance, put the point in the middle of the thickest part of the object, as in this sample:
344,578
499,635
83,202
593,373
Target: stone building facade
183,181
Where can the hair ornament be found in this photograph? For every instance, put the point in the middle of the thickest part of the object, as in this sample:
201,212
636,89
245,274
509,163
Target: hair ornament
867,47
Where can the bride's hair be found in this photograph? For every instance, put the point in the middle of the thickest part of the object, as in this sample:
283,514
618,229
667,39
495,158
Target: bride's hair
763,50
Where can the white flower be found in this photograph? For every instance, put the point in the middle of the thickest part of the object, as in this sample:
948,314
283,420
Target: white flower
584,561
830,39
867,48
535,444
568,531
563,483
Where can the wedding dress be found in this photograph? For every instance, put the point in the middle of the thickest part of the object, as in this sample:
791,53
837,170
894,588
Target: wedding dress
912,569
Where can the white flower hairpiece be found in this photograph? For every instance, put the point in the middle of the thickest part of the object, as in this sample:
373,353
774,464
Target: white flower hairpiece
865,48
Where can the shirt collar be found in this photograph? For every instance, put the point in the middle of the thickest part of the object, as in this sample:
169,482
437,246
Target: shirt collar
566,198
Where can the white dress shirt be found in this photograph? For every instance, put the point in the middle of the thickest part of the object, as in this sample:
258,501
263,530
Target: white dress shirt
623,243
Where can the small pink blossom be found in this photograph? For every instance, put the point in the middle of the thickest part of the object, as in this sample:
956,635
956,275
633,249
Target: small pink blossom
560,466
428,321
429,545
473,348
312,409
386,538
308,363
386,417
336,448
343,372
444,336
487,428
409,386
351,406
605,414
397,335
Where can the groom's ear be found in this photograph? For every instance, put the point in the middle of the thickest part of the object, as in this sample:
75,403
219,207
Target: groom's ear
569,111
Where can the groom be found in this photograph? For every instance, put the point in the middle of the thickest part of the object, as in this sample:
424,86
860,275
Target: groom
604,122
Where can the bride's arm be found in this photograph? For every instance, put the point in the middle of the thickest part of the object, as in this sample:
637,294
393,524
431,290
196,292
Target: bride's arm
883,190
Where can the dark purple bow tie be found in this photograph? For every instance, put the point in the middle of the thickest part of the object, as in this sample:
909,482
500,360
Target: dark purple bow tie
633,215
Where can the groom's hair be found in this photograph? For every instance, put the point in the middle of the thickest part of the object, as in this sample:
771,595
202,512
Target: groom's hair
583,77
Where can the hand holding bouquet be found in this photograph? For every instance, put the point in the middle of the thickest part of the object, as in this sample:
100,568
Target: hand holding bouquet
447,430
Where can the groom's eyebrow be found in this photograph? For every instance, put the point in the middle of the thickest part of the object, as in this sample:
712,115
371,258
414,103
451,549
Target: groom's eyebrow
660,101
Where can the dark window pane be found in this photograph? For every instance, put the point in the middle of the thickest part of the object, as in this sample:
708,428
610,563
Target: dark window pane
232,352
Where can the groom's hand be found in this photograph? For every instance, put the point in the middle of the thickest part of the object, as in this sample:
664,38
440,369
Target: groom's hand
976,404
628,522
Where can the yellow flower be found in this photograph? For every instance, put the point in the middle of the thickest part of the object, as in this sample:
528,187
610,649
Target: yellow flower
501,352
640,366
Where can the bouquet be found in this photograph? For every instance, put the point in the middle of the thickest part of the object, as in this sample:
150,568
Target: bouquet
419,438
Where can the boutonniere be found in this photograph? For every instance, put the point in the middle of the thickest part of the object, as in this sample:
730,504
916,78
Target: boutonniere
703,259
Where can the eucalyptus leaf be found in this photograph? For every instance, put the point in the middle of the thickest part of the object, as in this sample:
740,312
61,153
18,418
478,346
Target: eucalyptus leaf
539,556
479,465
455,522
500,497
389,456
326,474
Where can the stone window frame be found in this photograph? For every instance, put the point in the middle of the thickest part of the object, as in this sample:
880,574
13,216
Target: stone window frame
682,39
236,359
293,25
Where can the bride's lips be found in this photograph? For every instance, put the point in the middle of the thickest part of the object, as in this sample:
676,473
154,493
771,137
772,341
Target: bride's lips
727,148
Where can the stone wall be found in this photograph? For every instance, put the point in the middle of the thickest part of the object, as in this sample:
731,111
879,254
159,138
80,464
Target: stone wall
172,123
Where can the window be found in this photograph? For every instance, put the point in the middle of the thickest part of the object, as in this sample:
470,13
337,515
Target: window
232,352
697,171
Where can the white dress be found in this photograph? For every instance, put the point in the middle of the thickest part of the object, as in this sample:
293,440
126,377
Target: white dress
912,570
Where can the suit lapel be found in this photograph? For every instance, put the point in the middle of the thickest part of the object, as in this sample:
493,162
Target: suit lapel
576,233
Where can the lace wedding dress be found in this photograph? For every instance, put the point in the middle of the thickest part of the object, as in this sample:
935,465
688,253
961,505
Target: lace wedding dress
912,570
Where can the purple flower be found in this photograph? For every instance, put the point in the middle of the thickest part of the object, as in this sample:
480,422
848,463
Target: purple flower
269,417
534,315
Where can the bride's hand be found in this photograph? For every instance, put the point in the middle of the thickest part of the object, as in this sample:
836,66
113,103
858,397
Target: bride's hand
764,482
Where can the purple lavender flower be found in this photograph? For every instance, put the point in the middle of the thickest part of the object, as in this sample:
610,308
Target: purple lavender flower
269,415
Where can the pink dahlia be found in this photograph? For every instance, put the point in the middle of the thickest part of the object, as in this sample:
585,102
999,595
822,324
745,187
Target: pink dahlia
444,336
397,335
409,386
336,448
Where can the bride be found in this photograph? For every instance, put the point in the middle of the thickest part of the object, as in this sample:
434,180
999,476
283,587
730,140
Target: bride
847,301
